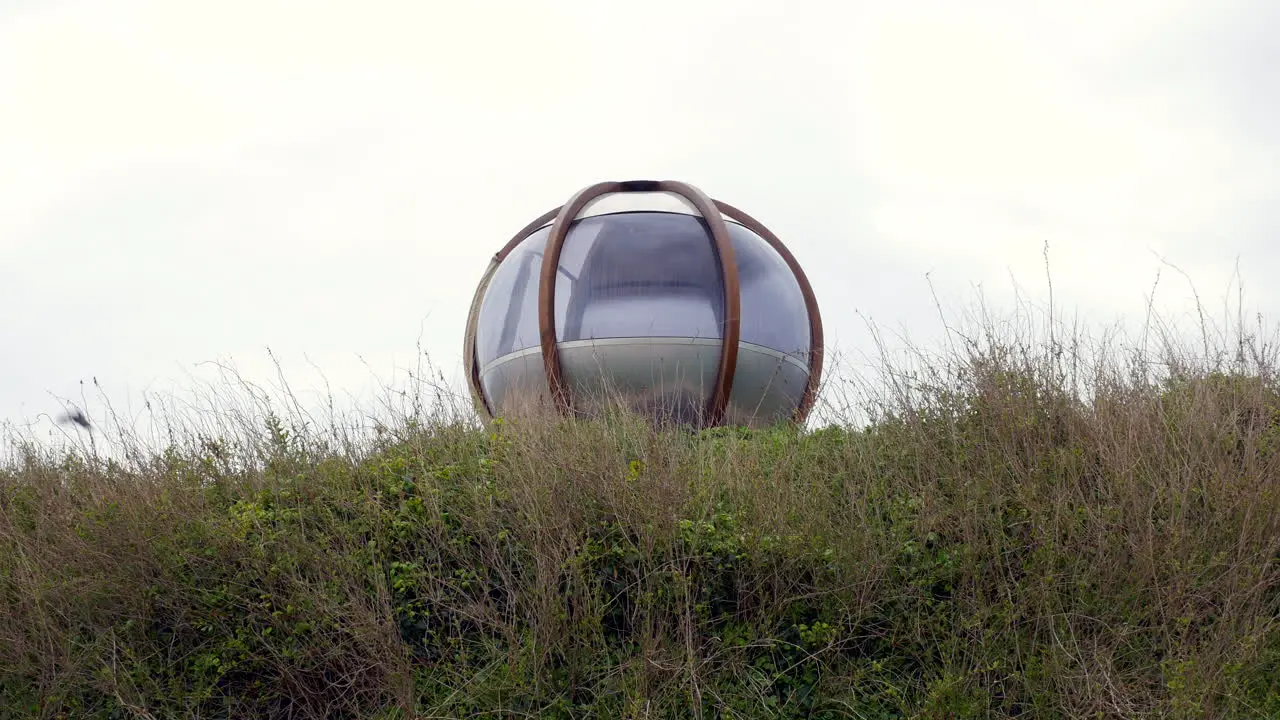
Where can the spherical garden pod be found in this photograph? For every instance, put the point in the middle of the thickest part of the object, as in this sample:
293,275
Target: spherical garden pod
651,294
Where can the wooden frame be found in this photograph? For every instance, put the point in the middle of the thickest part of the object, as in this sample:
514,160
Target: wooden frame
712,212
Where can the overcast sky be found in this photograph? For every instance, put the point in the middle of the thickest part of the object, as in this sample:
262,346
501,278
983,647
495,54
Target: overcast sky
188,182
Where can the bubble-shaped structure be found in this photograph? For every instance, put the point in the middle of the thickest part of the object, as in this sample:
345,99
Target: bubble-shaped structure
652,294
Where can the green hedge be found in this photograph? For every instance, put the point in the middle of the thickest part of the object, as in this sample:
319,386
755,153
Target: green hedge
1009,553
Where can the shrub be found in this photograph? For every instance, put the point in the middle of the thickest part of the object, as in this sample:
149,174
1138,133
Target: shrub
1005,539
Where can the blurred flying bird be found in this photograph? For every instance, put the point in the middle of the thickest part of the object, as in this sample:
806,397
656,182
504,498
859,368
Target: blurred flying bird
76,416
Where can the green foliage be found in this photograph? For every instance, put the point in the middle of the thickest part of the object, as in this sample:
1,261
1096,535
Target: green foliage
998,551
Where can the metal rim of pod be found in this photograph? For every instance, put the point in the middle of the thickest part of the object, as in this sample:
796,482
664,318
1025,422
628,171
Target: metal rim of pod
713,212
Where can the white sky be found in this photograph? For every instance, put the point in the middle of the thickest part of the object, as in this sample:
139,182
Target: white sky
189,182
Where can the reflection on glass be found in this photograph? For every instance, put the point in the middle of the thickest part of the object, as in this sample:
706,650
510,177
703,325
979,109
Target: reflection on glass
773,309
508,319
639,274
642,275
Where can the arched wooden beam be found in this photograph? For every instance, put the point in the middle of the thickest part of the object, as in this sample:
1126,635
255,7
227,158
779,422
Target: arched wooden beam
810,395
469,360
563,217
722,247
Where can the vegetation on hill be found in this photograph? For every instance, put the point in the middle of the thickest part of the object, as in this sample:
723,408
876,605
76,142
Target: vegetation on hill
1018,528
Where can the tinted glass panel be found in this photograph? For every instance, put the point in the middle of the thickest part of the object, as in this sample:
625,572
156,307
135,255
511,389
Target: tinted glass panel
671,379
766,389
640,274
508,319
773,311
515,381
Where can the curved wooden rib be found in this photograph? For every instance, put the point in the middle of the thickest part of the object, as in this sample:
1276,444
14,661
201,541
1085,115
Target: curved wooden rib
732,328
722,247
547,286
810,395
469,360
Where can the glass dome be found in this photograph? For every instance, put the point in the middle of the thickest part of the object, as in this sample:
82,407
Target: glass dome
656,296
